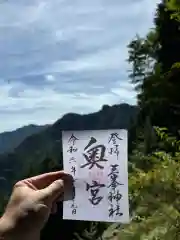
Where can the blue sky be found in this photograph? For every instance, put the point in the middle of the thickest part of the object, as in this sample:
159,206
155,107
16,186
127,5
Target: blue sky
60,56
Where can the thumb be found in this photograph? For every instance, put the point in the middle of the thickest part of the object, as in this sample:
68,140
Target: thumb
53,191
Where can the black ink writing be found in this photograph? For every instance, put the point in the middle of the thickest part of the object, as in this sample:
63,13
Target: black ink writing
72,160
74,207
114,137
73,170
74,211
115,211
114,176
94,190
117,196
73,139
114,195
95,155
72,149
114,150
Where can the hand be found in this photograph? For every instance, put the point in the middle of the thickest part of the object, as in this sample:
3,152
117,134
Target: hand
31,203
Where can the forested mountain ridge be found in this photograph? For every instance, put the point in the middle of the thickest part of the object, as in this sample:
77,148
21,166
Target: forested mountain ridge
42,152
47,144
10,140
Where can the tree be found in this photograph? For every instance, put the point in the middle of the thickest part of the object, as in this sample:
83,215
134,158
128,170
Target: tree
155,70
154,194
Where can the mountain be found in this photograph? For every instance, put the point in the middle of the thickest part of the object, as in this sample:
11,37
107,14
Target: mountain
10,140
42,151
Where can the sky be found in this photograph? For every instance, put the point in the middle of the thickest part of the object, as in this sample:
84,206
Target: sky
60,56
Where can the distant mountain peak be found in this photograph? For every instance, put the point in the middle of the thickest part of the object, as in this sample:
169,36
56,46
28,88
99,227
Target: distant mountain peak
11,139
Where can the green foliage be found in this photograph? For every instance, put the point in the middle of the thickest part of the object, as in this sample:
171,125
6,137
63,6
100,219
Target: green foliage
42,153
142,53
154,194
174,6
154,166
155,69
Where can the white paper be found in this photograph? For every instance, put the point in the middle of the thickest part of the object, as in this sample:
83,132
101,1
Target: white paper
98,162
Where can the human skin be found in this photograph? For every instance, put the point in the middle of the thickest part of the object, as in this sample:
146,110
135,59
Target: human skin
31,203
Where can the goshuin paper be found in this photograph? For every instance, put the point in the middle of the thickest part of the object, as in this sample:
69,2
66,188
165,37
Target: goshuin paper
98,162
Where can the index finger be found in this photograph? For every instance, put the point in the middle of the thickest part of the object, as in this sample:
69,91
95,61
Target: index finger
44,180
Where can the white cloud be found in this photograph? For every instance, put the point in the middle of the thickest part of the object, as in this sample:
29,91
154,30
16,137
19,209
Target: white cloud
62,55
106,59
49,105
50,78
